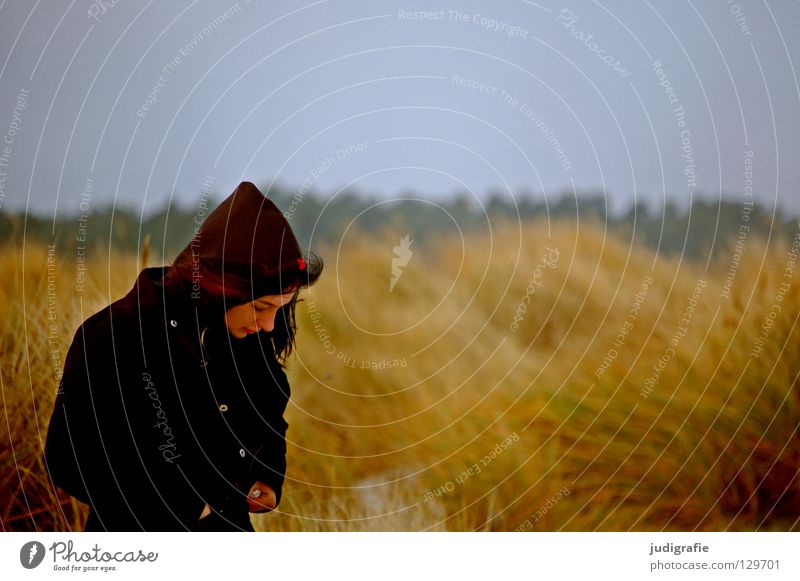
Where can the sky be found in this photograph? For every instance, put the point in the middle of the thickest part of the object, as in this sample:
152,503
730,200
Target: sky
137,104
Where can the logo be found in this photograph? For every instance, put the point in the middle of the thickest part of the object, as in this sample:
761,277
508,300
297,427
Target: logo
402,254
31,554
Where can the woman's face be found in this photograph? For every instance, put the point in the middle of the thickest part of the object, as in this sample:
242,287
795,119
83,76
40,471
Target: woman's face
258,315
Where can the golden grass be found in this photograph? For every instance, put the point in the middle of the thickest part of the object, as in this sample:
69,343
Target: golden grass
712,444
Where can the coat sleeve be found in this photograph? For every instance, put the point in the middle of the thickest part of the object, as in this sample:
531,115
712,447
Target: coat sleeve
67,432
269,463
101,445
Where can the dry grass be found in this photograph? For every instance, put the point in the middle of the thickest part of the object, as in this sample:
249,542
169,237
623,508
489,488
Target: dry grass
712,445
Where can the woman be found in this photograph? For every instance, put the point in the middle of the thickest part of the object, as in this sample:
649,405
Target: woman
169,416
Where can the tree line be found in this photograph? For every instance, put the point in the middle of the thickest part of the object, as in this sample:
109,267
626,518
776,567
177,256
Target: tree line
704,227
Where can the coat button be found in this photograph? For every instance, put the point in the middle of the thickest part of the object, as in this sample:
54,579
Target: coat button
174,323
223,408
241,452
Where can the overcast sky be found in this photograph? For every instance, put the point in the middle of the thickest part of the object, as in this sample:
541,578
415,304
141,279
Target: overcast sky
646,99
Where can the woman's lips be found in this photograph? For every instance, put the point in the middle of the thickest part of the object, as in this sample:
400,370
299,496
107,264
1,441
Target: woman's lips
249,331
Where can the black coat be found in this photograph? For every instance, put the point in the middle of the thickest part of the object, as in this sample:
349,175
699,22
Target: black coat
161,411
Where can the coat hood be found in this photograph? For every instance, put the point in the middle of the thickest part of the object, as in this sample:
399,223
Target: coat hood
246,229
244,247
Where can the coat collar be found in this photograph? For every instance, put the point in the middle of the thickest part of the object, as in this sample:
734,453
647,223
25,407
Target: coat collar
159,306
151,298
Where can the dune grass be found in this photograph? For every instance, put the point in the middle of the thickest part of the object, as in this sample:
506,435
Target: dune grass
625,394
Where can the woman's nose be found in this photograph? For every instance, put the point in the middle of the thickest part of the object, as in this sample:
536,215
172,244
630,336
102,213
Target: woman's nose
266,322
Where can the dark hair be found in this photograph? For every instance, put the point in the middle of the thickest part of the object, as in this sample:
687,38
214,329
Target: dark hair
212,288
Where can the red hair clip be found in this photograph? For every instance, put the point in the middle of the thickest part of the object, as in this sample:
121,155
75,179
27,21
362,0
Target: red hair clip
301,263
